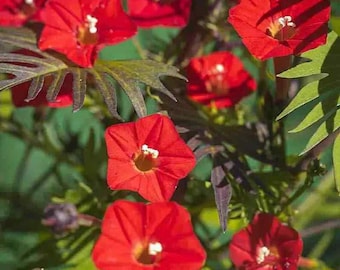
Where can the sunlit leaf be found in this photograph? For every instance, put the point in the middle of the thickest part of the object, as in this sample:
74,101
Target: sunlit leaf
319,111
336,162
323,88
329,126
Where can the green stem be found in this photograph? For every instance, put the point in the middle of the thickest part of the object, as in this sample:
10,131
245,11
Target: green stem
142,53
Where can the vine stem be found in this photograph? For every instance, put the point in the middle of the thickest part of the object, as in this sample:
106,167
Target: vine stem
307,263
139,48
328,225
282,84
88,220
282,87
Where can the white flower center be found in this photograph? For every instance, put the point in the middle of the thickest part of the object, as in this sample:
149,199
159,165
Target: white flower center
149,151
286,21
262,253
155,248
29,2
219,68
92,22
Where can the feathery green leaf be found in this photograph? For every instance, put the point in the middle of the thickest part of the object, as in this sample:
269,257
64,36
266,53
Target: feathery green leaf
42,68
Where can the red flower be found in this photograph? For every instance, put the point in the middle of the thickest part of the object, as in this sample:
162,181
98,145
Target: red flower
18,12
79,29
153,236
150,13
19,92
147,156
266,244
219,79
273,28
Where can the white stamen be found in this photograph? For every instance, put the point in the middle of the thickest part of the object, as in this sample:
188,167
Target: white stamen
92,21
155,248
29,2
149,151
219,68
286,20
262,254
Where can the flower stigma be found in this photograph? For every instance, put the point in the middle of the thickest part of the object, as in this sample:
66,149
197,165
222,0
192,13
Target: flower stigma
92,21
216,82
155,248
282,29
262,254
149,151
146,159
148,253
286,21
29,2
219,68
87,33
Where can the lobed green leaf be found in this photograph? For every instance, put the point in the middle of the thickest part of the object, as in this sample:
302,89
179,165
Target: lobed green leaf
323,87
128,74
331,124
320,110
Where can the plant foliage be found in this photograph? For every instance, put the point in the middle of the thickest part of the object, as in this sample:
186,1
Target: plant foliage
322,70
324,89
128,74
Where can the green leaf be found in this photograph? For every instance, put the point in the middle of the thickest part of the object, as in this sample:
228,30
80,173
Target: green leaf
325,129
336,162
323,87
320,110
323,62
77,251
129,74
43,68
307,94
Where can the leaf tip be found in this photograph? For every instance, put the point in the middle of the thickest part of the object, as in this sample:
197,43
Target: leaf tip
295,130
74,110
280,116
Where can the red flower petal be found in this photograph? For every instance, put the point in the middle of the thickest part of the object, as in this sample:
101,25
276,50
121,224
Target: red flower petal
79,29
18,12
128,225
154,178
120,27
271,28
266,243
218,78
151,13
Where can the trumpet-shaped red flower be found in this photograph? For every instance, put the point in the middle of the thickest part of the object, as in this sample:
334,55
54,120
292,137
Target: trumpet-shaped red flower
219,79
266,244
155,236
147,156
79,29
18,12
150,13
273,28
